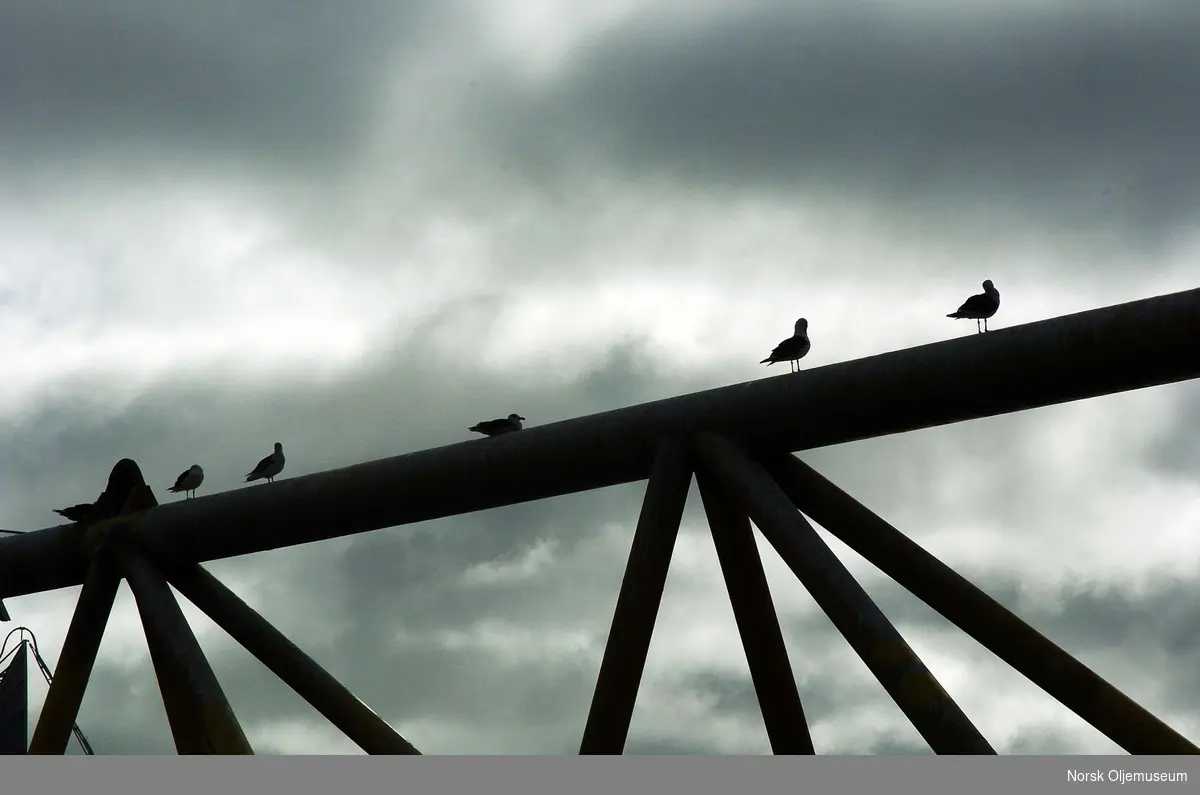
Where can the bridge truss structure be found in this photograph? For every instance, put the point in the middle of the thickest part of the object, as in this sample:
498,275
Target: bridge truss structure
738,443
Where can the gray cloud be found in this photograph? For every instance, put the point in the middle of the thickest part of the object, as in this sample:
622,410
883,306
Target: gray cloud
1075,118
275,85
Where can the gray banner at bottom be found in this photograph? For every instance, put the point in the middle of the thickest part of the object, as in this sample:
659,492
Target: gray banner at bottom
433,775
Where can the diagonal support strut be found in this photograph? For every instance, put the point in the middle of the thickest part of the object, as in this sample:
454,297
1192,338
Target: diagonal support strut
1075,685
202,721
913,687
758,625
287,661
638,601
75,663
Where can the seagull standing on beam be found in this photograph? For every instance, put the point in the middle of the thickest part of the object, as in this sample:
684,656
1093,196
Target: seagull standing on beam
979,307
269,467
793,349
498,427
189,481
126,476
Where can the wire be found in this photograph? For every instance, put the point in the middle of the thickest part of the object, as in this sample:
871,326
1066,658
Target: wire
45,669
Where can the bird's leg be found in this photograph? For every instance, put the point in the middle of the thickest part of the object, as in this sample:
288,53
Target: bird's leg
985,324
977,329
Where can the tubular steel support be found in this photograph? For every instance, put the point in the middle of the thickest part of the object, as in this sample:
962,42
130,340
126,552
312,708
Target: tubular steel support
1075,685
897,667
200,716
638,602
1102,351
287,661
84,634
754,612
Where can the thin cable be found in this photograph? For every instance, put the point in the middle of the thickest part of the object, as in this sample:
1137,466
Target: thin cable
45,670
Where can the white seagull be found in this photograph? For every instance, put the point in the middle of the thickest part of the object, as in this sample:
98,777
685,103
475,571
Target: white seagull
793,349
498,427
189,481
979,307
269,467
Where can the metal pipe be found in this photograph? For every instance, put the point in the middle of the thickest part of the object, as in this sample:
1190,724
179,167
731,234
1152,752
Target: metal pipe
897,667
61,707
1075,685
200,716
287,661
757,623
637,603
1102,351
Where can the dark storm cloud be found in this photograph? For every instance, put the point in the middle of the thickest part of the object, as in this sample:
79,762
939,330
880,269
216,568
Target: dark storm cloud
280,83
1079,117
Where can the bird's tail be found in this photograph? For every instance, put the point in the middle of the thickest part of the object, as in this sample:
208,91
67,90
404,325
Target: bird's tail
767,361
955,315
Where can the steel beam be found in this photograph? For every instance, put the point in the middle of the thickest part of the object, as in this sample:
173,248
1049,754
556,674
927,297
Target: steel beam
1075,685
1118,348
61,707
637,603
200,716
897,667
757,623
287,661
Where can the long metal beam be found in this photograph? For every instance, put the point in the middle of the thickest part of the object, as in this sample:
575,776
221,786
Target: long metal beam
1075,685
638,601
1102,351
893,662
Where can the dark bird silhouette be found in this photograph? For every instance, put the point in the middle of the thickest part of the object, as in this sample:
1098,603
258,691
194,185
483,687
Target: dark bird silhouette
269,467
189,481
76,513
793,349
498,427
979,307
126,476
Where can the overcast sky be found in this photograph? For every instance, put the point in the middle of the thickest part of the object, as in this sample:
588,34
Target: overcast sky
359,228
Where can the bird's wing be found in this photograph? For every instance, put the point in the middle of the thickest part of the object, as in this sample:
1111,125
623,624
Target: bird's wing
179,480
266,462
975,303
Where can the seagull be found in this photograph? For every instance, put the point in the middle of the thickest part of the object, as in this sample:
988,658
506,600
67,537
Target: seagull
76,513
124,478
269,467
793,349
189,481
979,307
498,427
